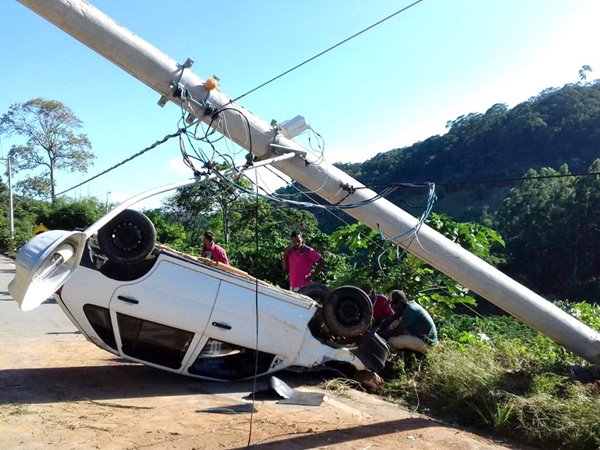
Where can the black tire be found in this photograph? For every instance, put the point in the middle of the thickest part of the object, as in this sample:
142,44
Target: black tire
128,238
317,292
348,312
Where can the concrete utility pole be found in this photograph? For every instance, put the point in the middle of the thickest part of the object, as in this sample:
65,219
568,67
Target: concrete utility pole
106,203
11,217
161,73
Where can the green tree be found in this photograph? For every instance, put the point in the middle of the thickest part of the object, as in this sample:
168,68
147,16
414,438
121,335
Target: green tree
583,72
378,262
195,207
558,126
26,217
553,232
552,229
66,214
586,239
52,143
262,231
168,231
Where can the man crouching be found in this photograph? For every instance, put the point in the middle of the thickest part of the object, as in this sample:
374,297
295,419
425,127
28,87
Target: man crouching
411,327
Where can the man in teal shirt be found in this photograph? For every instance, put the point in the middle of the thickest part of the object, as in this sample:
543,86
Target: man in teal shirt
411,327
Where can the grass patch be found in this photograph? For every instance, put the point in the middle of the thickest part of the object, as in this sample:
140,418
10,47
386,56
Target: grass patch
499,375
341,386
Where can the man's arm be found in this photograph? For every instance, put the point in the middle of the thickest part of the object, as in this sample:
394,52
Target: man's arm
284,260
383,328
317,267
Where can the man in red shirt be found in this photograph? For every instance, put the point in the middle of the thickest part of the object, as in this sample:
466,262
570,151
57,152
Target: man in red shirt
382,308
301,261
213,251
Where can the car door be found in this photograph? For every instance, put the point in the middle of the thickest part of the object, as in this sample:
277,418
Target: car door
161,317
282,319
235,348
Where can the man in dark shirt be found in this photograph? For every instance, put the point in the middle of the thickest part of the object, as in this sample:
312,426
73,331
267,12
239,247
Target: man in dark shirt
411,328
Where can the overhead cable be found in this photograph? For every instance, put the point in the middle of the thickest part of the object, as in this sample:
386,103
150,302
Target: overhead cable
141,152
327,50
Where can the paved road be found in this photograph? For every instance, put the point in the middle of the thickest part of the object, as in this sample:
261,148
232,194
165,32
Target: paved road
14,323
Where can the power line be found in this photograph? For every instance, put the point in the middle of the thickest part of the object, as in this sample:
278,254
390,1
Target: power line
506,180
503,180
327,50
140,153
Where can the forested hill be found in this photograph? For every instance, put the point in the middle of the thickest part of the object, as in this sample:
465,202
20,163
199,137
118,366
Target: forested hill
559,126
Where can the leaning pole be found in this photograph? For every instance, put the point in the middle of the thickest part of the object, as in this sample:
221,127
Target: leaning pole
167,77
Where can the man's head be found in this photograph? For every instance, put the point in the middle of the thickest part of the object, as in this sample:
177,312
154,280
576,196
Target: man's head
209,238
367,288
398,300
296,238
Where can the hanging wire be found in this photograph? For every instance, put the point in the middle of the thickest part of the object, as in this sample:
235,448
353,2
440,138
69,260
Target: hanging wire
256,318
132,157
431,199
414,231
307,194
313,204
364,30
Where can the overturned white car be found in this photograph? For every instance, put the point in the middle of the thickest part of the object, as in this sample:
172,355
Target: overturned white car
150,304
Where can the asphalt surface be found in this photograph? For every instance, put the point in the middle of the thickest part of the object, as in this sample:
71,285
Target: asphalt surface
47,318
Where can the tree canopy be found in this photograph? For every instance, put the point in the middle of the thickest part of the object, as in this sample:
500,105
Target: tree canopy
558,126
52,143
552,229
549,220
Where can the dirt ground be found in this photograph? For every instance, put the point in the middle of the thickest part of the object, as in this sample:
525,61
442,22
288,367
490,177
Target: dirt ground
60,391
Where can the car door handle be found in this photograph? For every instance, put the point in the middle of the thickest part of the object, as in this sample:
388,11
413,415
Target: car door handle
221,325
128,299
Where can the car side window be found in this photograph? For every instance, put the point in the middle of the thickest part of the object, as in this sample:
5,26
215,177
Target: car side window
153,342
99,319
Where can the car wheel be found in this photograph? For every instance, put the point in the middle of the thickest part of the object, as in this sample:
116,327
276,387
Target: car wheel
348,312
317,292
128,238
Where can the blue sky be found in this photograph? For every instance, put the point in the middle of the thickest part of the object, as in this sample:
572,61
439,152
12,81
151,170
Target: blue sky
390,87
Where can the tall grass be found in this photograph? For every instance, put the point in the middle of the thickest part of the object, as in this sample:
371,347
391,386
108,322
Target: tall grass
500,375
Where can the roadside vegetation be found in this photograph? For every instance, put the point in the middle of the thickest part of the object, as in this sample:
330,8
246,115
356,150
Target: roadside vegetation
496,374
